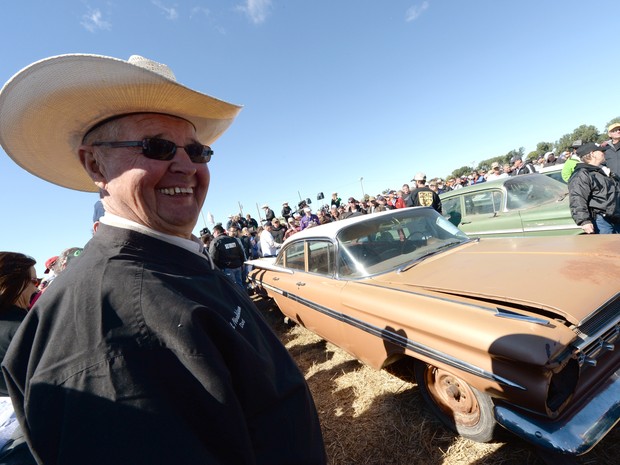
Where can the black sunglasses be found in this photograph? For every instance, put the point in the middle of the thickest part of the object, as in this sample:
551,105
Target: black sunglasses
162,149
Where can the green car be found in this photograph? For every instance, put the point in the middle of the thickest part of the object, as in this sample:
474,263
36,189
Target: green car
526,205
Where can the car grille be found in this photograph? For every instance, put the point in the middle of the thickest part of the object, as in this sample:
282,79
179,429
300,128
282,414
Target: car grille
598,334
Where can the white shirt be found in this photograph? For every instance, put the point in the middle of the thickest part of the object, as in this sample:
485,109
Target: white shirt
268,246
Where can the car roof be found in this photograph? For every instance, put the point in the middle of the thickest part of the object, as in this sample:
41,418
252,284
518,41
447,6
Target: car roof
331,230
484,185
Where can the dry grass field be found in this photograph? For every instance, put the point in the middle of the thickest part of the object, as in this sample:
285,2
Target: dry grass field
372,417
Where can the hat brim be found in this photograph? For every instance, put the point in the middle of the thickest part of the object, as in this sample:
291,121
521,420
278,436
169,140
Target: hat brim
47,108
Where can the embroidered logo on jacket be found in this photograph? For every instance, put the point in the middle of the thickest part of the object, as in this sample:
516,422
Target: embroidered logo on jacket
237,321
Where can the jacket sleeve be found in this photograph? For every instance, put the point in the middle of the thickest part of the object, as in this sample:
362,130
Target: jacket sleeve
579,188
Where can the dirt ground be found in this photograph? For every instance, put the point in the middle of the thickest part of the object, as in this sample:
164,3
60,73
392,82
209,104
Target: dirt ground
372,417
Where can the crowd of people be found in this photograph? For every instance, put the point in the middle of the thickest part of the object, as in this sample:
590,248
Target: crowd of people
587,206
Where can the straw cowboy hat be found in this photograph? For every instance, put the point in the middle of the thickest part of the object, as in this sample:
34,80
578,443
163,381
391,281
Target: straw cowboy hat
48,107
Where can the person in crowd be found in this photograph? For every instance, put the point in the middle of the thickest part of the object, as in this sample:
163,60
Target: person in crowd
571,161
141,352
291,228
334,212
269,214
422,195
251,222
18,285
227,253
309,219
612,148
477,177
458,183
277,230
381,204
269,247
50,272
495,172
352,209
206,237
507,169
519,167
324,218
336,200
286,212
550,160
407,195
441,186
594,193
433,186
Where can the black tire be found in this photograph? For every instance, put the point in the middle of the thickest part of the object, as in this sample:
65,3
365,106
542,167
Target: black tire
459,406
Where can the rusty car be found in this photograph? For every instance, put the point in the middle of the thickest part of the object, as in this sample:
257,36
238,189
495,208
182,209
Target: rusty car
488,342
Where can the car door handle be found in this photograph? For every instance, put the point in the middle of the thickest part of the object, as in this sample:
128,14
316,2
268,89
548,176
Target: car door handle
300,283
275,278
465,222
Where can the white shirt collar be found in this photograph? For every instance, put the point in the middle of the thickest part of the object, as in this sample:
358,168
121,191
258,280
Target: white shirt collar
193,245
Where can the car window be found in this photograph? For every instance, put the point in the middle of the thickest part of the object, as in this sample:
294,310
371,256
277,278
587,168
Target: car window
380,244
532,190
321,257
293,256
485,202
452,210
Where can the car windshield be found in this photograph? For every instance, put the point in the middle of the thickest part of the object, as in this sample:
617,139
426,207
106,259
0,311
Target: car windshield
532,190
387,242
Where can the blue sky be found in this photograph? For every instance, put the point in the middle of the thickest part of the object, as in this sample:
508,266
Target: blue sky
333,90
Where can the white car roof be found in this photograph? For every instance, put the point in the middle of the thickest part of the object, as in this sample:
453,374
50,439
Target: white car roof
331,230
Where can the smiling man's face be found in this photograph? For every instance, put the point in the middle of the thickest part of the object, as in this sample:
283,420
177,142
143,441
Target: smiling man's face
163,195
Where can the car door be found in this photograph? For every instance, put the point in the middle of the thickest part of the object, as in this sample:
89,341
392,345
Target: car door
310,292
484,215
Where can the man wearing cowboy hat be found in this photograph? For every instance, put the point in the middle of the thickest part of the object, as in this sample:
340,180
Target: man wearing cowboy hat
142,352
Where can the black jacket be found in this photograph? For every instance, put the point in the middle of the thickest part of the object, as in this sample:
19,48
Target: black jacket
226,252
612,157
10,319
425,197
592,192
140,353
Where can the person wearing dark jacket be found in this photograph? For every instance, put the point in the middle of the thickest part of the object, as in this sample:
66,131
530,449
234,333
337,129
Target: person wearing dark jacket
612,148
594,193
142,352
269,214
424,196
227,254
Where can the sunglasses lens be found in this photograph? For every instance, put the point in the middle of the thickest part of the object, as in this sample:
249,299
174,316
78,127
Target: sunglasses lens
198,153
159,149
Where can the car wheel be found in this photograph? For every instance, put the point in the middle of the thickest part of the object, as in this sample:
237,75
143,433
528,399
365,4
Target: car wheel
458,405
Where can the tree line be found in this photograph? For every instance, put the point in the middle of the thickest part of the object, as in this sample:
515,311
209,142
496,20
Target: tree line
585,133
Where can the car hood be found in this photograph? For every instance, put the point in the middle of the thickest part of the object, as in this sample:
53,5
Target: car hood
546,275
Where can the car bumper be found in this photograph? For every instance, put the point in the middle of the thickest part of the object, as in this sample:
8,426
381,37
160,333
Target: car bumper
574,434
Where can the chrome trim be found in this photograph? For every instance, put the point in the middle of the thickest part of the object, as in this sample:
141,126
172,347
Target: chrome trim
577,433
503,313
565,227
399,340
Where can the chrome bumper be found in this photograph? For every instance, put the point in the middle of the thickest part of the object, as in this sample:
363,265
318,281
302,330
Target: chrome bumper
575,434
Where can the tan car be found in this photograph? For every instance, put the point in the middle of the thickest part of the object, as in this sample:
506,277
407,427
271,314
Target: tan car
489,341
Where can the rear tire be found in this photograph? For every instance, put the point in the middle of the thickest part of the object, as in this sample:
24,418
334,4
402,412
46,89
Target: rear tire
459,406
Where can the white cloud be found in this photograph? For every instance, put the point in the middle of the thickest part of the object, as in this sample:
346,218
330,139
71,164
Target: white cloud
169,12
93,21
415,11
256,10
199,10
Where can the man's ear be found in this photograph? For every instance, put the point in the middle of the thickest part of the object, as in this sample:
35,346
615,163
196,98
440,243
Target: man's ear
92,166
